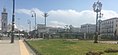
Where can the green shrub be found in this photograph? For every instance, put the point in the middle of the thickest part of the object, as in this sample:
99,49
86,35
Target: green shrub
111,50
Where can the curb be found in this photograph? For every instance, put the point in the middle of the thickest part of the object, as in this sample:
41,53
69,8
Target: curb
33,49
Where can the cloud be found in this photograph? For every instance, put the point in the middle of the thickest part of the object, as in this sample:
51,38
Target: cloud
29,12
109,14
56,24
19,27
60,18
24,11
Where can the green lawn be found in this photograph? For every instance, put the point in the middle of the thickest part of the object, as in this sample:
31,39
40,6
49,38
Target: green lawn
63,47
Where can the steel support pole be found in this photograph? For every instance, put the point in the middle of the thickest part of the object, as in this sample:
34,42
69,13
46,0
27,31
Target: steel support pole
13,19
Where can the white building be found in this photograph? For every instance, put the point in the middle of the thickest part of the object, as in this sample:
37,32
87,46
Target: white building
76,29
9,28
109,27
54,30
41,29
4,20
88,28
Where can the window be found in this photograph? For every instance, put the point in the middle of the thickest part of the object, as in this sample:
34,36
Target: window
116,20
4,24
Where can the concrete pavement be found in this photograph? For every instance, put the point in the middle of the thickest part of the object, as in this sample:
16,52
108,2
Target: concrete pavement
16,48
6,48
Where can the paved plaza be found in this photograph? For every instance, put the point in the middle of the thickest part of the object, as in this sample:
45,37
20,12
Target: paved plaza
16,48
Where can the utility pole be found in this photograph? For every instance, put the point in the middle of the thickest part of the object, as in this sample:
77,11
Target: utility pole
13,19
45,15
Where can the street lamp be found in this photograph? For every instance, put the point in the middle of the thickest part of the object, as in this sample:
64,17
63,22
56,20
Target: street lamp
29,22
97,7
34,15
13,19
99,21
19,26
45,15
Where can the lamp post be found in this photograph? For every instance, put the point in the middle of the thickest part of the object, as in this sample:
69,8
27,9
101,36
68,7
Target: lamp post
29,22
100,16
34,15
97,7
19,26
13,19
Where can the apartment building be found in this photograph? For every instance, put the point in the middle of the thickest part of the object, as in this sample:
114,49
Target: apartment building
88,28
109,27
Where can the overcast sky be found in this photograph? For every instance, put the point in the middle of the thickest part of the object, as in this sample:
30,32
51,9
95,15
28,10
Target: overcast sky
61,12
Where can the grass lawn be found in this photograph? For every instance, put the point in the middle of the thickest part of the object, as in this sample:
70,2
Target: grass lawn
63,47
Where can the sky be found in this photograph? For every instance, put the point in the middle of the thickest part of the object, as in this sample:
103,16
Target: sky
61,12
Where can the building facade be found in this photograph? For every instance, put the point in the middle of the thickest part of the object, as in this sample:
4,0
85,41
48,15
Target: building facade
41,29
76,29
4,20
109,27
88,28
